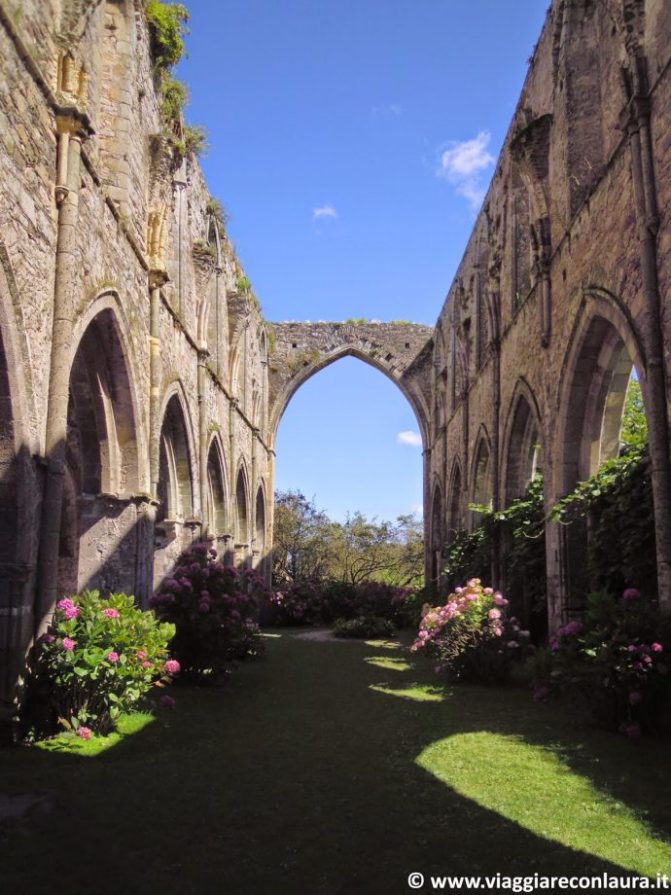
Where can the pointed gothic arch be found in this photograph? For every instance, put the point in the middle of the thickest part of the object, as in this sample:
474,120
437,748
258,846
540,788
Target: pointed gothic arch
522,449
216,516
260,529
242,517
481,486
175,482
455,501
102,457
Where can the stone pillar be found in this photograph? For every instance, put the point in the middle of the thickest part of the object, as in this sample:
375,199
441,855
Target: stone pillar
72,129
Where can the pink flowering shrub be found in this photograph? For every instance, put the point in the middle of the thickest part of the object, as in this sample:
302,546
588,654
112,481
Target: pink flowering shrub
98,658
214,609
324,602
616,660
470,636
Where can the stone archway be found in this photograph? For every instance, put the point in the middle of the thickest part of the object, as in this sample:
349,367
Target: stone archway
98,543
402,351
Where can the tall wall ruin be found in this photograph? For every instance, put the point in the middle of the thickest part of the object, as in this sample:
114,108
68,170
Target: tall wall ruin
141,388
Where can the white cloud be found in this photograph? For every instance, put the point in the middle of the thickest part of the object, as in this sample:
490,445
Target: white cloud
409,437
463,162
392,110
326,211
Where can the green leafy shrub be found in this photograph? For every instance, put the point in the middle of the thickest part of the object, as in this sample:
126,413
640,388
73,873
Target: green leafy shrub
167,28
615,660
214,609
174,96
616,507
470,636
98,658
364,627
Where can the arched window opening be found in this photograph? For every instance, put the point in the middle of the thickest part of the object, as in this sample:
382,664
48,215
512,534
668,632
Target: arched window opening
482,479
455,521
101,464
260,531
241,513
437,538
215,497
175,488
602,382
602,373
524,450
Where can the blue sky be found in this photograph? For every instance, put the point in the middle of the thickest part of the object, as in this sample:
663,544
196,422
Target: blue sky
351,142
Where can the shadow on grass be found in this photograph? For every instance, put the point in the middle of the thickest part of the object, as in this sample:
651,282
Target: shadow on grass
325,769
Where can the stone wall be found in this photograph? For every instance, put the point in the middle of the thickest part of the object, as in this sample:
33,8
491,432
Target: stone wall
132,366
563,285
141,389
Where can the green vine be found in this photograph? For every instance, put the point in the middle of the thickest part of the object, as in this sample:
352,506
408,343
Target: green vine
518,533
615,507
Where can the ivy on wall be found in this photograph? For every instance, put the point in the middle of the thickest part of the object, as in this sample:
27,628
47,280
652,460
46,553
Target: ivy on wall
612,513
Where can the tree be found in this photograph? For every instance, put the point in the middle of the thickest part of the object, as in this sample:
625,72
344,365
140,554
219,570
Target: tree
311,547
302,538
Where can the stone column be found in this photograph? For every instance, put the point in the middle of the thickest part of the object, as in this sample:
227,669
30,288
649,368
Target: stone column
72,129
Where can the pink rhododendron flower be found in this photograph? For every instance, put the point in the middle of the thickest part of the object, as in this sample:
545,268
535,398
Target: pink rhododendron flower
68,644
140,654
570,629
656,647
146,664
113,657
500,600
111,613
632,648
47,638
631,593
167,702
488,591
172,666
203,607
84,732
68,608
494,613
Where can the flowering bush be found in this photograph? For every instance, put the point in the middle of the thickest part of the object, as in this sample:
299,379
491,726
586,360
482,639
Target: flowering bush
616,660
311,603
470,636
214,609
297,604
98,658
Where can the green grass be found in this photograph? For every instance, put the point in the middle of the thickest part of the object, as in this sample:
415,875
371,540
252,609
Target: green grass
335,769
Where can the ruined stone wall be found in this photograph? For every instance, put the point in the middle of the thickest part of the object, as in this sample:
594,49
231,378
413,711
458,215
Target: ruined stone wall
124,432
550,302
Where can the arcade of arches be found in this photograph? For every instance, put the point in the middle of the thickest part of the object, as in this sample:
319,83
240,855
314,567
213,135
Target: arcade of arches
141,388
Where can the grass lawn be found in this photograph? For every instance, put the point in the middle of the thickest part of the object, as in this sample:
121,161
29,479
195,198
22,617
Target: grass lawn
335,768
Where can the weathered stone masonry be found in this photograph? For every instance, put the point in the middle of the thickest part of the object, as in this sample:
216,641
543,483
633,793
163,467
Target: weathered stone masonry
563,286
141,389
133,369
